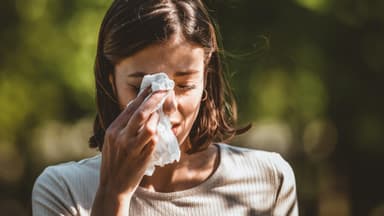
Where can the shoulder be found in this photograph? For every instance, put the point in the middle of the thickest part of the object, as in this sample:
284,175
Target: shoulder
70,171
258,161
60,186
268,170
247,155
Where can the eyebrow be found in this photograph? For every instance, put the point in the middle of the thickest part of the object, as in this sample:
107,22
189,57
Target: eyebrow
140,74
186,73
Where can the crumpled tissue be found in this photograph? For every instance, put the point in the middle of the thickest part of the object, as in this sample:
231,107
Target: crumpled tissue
167,149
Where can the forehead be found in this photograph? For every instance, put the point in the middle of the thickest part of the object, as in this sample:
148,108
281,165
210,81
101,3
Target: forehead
173,55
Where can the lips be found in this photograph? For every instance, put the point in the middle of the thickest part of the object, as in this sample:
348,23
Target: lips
175,128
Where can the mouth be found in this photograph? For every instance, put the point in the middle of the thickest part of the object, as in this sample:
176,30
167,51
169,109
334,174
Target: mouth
175,128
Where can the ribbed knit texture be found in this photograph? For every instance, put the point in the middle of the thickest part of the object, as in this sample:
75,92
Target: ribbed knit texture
246,182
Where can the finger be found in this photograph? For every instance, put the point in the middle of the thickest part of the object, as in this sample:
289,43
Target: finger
148,149
148,131
122,119
141,115
140,97
143,158
105,163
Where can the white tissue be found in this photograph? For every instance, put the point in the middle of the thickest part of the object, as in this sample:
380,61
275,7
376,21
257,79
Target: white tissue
167,149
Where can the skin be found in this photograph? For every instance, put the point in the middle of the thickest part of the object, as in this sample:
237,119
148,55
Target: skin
131,138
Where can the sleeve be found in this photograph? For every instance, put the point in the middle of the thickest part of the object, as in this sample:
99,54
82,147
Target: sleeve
286,197
50,196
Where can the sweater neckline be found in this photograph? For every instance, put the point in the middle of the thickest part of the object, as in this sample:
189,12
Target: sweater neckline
203,186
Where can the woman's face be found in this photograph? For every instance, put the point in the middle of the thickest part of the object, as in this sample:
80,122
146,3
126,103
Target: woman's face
184,64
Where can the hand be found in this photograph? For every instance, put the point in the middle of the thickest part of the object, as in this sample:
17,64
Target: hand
128,145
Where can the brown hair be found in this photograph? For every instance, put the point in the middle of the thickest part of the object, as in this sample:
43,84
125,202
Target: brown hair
130,26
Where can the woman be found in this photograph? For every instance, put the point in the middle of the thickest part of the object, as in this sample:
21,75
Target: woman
140,37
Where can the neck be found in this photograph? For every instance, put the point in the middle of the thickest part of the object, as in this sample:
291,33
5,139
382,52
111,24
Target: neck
191,170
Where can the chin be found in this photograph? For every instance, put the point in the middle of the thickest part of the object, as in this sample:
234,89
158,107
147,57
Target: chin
183,142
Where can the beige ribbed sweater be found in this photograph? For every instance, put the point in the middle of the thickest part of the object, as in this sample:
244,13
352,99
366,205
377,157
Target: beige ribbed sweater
246,182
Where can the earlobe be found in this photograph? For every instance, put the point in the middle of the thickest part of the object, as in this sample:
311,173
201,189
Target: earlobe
204,97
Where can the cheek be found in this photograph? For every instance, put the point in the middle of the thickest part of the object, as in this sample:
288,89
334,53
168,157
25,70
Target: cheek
189,110
189,106
124,94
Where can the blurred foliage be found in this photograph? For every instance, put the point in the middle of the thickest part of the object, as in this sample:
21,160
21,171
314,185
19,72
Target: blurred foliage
307,73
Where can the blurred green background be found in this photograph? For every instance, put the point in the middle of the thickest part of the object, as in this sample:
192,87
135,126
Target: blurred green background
307,73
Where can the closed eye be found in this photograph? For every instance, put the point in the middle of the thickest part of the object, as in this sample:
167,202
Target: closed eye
134,88
186,87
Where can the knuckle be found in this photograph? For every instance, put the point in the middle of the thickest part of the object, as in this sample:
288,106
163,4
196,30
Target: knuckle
111,134
142,115
119,140
155,139
150,130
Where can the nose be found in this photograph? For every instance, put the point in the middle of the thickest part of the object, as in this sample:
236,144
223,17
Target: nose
170,103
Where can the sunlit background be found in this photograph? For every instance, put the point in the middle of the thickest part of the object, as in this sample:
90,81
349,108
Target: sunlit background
309,75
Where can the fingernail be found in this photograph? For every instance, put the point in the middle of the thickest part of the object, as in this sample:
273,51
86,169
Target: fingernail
129,103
